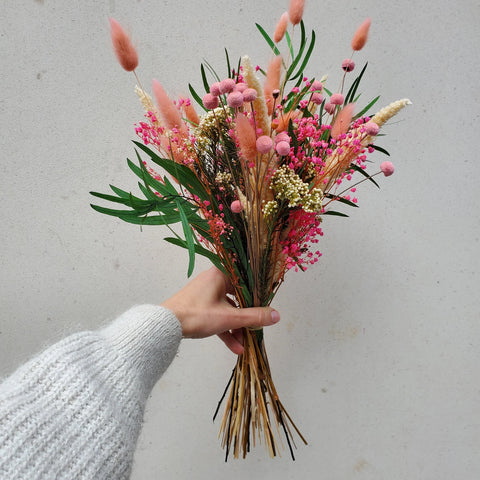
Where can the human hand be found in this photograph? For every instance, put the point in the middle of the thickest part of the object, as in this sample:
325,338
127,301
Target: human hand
204,309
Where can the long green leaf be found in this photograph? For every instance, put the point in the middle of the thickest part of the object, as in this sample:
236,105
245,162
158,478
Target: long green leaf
341,200
187,231
196,97
267,38
367,108
204,79
337,214
306,58
364,173
379,149
353,89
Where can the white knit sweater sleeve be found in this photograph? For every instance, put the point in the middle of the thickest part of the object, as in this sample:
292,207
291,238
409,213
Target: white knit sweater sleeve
75,411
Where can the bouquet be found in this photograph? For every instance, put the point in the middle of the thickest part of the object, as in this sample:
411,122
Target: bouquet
249,180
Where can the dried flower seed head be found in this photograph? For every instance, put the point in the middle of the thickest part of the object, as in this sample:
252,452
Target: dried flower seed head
282,148
240,87
337,99
250,95
317,99
210,101
236,206
234,99
246,137
386,113
282,137
215,89
295,12
264,144
371,128
329,108
281,28
227,85
124,49
348,65
387,168
361,35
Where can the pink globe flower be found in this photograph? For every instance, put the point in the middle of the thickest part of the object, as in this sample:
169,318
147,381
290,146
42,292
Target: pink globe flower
387,168
348,64
235,99
282,137
227,85
215,89
240,87
250,95
337,99
236,206
282,148
329,108
210,101
317,99
316,86
264,144
371,128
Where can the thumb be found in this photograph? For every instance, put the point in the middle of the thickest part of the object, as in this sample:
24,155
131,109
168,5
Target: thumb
256,317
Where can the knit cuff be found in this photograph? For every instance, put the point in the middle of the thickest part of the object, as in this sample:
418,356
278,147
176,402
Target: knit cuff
146,338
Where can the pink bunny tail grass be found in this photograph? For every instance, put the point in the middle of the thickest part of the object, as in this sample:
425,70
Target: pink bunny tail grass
170,114
123,47
272,81
361,35
190,113
281,28
343,120
246,137
295,12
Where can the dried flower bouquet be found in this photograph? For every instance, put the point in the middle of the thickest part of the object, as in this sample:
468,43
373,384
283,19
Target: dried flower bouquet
253,176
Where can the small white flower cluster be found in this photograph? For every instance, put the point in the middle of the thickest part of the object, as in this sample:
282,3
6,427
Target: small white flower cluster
288,186
224,178
208,127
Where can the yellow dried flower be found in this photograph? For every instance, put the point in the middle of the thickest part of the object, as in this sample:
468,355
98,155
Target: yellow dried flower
389,111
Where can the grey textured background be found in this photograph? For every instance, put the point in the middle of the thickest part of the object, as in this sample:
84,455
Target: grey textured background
377,354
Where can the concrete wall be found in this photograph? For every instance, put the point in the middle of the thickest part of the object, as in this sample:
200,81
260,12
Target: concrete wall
377,354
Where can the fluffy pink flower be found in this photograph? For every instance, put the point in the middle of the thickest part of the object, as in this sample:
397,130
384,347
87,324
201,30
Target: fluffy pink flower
317,99
295,12
282,148
124,49
246,137
250,95
281,28
264,144
337,99
240,87
210,101
348,64
387,168
361,35
316,86
215,89
235,99
282,137
329,108
236,206
371,128
227,85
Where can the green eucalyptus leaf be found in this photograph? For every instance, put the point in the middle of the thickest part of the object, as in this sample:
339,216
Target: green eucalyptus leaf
267,38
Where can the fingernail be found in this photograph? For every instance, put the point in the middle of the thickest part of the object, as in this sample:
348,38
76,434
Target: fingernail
275,316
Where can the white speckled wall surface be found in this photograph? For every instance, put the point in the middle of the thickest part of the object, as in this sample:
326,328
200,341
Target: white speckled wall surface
377,355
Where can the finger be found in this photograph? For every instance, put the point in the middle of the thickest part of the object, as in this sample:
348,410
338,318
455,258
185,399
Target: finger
255,317
231,342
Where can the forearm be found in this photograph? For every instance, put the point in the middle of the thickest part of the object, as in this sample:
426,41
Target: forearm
75,411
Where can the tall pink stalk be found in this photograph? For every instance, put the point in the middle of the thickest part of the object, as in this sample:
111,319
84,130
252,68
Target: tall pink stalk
170,114
124,49
295,12
281,28
272,81
361,35
343,120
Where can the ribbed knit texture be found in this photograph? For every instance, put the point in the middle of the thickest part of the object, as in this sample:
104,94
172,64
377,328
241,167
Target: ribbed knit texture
75,411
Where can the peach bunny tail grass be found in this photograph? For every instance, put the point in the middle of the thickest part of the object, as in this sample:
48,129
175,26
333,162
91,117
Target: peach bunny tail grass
361,35
170,114
343,120
246,137
272,81
295,12
123,47
281,28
